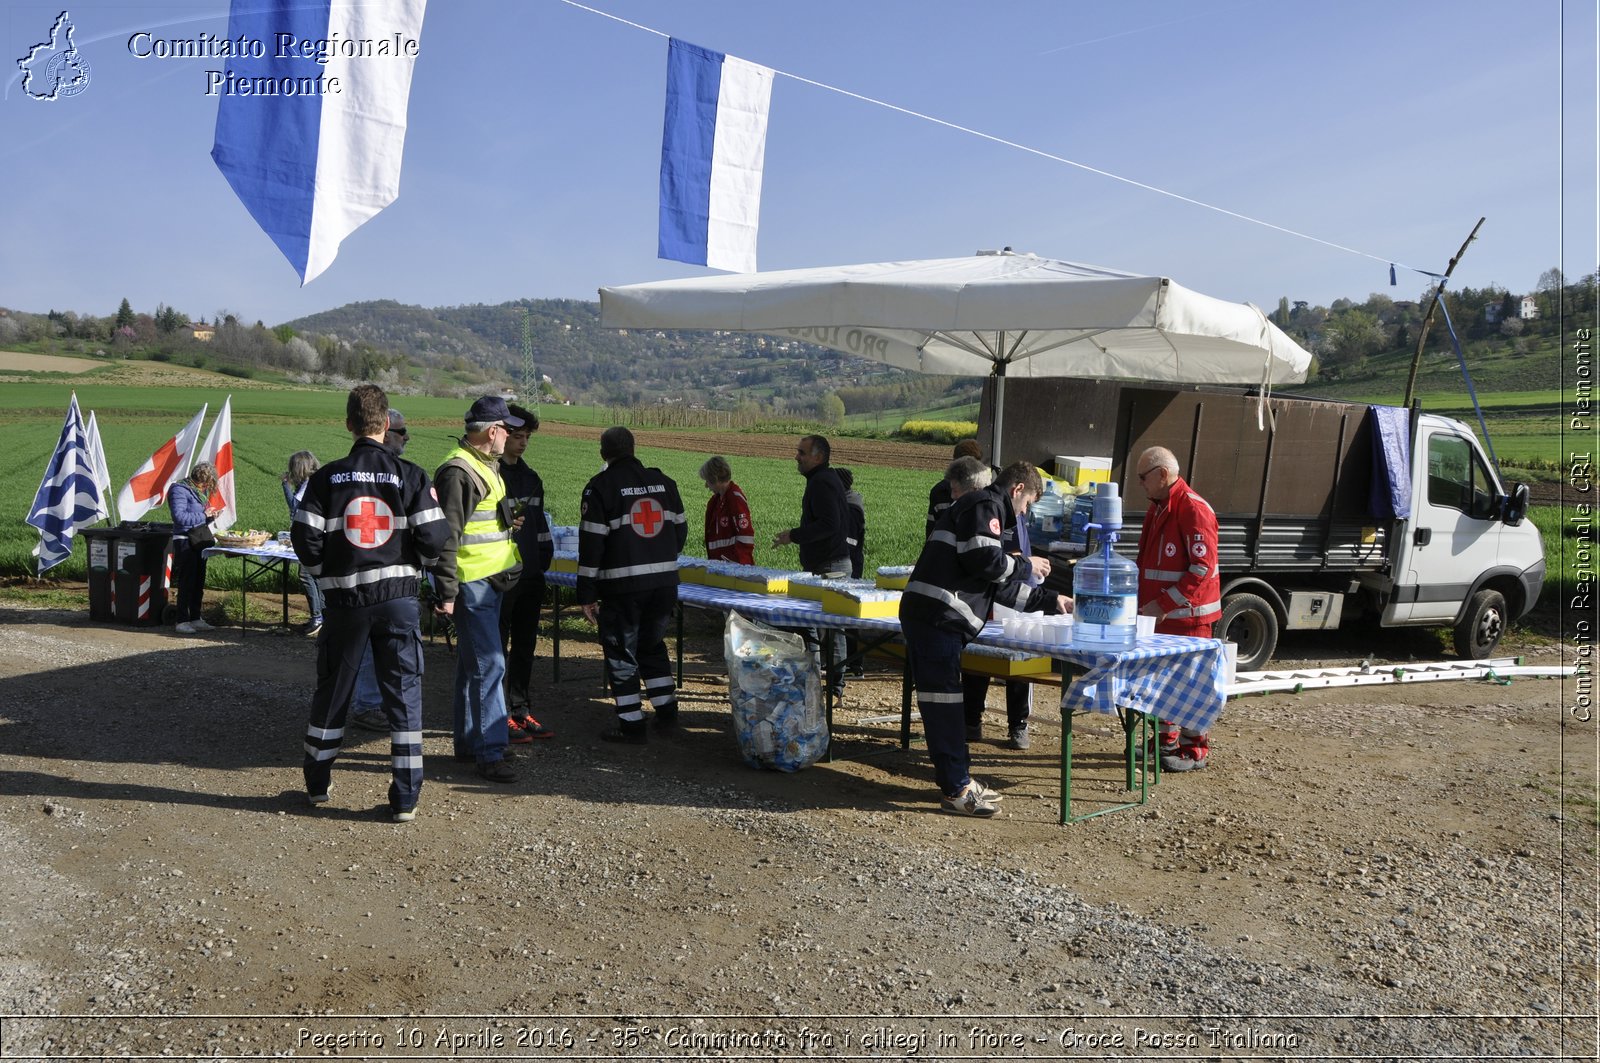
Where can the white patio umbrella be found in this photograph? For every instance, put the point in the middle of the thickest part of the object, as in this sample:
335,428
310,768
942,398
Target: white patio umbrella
995,313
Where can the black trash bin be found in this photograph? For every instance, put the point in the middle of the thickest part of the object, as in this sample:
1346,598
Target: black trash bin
102,543
140,569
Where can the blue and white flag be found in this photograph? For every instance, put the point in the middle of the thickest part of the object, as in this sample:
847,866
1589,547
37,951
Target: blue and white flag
713,146
310,134
68,497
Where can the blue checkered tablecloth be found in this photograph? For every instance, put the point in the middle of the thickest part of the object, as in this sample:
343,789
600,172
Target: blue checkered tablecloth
1170,677
776,609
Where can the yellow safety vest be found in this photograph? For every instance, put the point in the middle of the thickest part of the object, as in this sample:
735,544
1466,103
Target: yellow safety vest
485,547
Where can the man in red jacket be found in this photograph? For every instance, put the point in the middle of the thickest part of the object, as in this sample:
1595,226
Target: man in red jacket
1179,583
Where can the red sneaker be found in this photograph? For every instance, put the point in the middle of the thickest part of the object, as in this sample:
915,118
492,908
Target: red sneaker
517,734
532,727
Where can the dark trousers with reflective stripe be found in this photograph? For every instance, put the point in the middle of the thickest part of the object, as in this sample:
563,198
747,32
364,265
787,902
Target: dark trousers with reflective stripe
390,628
519,628
935,659
633,635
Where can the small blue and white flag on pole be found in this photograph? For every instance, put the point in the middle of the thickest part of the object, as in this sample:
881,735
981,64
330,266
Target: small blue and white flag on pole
97,461
310,134
713,146
68,496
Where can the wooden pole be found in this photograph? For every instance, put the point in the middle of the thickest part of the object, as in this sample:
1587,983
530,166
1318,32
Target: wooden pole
1433,304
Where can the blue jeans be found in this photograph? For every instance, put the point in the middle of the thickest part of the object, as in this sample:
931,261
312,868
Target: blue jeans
480,697
368,698
935,658
313,594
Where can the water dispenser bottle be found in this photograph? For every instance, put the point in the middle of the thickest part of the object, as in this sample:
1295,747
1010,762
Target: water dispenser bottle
1105,585
1047,517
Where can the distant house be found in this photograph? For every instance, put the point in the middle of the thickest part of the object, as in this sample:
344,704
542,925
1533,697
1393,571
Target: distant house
1491,313
203,332
1530,308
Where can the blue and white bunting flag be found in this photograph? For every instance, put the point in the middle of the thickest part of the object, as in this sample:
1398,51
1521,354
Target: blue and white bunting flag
713,147
310,134
68,496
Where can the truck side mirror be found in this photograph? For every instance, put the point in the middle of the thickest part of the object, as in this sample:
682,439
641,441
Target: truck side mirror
1516,505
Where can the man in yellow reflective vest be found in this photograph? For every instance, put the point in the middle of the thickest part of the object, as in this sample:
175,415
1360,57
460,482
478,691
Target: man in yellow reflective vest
479,562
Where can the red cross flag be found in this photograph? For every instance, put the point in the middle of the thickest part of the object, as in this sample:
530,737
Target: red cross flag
218,450
170,463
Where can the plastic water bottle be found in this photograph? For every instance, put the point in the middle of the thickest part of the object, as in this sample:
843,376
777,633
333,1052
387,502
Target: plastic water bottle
1047,516
1105,585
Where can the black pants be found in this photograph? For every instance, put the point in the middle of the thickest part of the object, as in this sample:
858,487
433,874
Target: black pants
519,630
390,628
975,692
633,634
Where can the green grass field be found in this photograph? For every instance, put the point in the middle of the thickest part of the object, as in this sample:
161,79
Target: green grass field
268,426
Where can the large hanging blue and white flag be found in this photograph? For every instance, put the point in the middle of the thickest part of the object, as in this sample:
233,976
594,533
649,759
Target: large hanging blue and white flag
68,497
310,134
713,146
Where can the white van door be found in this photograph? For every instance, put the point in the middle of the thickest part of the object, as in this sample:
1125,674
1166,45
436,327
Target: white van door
1454,532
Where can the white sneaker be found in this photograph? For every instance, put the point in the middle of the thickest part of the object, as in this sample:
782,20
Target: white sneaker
186,628
200,625
969,802
987,792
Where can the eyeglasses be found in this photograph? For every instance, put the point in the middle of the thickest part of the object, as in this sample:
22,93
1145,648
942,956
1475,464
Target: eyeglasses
1147,472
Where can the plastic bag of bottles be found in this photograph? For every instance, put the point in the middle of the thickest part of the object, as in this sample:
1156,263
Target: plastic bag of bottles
776,695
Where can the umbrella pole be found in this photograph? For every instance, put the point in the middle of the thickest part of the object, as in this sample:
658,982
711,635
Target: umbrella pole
996,422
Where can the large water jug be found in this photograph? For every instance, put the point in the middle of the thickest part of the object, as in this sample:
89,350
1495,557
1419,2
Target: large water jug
1047,517
1105,593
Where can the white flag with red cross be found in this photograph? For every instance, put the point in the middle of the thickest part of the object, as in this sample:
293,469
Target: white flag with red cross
218,450
169,464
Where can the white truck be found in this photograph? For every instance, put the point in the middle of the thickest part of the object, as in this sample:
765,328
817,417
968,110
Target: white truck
1303,541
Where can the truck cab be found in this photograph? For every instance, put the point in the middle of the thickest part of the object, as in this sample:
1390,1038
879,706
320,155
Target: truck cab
1465,557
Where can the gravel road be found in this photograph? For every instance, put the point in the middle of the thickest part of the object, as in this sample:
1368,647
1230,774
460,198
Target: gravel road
1373,872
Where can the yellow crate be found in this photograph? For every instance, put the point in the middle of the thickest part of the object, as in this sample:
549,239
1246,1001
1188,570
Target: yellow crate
767,585
840,604
1005,667
802,589
564,564
1080,469
895,582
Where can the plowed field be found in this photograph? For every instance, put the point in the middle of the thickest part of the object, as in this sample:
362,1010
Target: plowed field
759,445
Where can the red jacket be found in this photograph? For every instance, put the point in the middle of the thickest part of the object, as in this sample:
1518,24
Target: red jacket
1178,562
729,534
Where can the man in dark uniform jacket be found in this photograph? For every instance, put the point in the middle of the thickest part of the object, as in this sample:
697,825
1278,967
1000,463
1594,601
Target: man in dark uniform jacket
366,527
631,532
821,535
519,609
964,569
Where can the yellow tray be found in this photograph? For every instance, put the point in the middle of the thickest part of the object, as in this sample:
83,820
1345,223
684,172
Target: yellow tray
844,605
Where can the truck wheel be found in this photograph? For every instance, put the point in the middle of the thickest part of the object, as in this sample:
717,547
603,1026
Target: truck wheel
1481,626
1248,619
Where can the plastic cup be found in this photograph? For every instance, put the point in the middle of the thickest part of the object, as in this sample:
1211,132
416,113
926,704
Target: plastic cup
1147,626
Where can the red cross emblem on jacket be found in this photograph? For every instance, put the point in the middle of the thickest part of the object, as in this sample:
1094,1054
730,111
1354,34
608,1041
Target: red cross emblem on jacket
646,518
368,522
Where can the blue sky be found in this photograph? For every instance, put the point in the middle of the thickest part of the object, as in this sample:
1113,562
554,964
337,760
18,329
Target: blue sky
534,138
